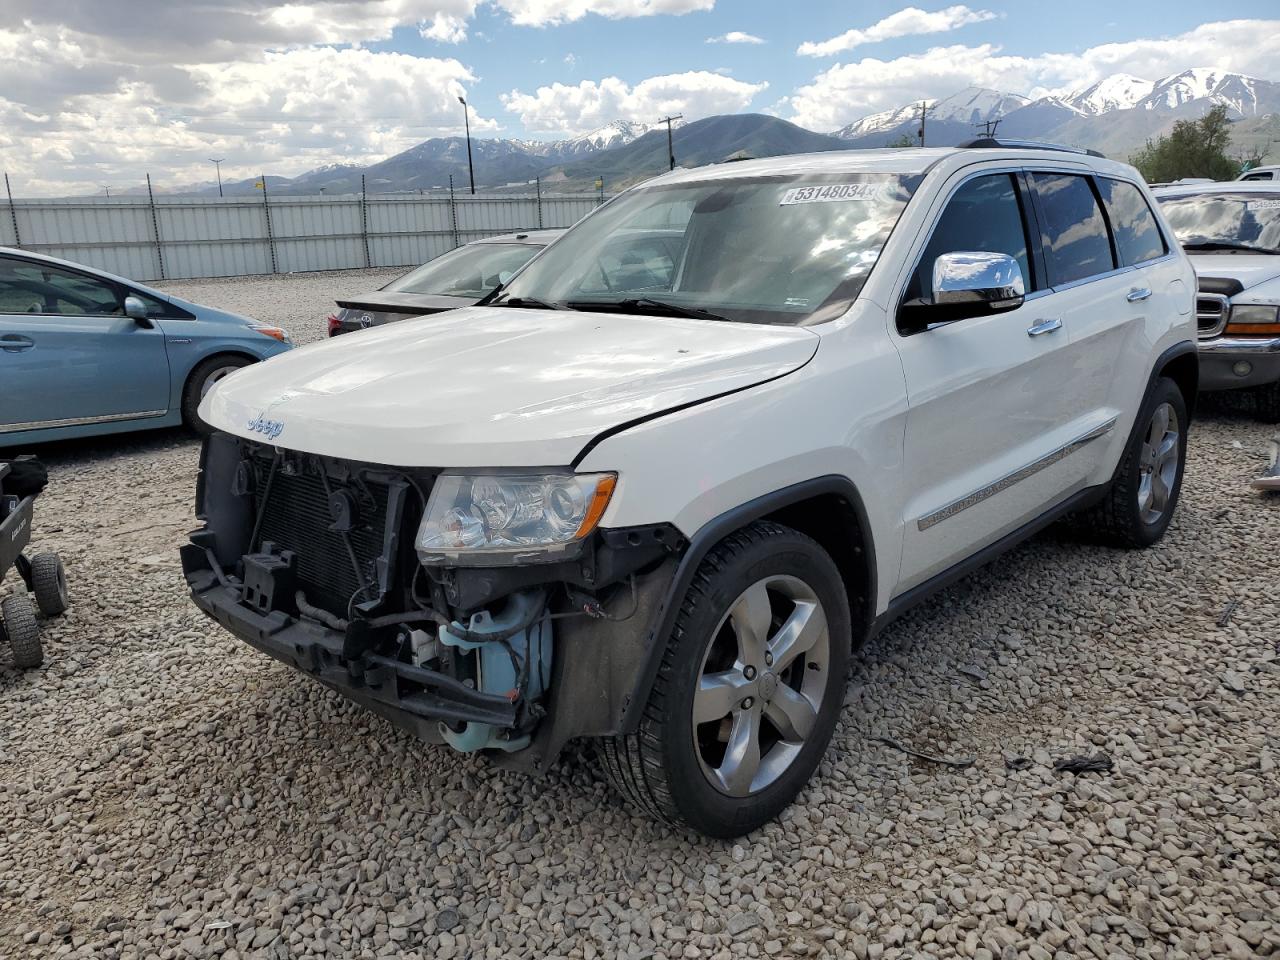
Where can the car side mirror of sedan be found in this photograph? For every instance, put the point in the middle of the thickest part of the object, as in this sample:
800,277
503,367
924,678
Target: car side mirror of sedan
137,310
969,283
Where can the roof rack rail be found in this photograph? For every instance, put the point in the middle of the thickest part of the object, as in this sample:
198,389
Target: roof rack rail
989,143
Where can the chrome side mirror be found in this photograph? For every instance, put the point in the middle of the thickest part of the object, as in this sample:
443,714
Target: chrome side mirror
985,282
136,310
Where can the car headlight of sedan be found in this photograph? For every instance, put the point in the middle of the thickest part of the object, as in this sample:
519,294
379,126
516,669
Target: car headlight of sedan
487,519
1254,318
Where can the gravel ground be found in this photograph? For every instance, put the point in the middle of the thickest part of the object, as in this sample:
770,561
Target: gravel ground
167,792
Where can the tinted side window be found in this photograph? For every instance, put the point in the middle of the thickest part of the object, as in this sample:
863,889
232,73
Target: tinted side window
1132,222
1072,230
29,287
984,215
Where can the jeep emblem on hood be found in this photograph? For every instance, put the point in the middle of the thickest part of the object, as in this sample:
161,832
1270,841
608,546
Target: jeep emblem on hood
268,428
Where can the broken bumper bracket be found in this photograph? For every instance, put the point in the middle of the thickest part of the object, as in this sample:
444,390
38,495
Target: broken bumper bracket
403,693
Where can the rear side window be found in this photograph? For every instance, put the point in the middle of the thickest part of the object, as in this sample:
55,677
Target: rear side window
1133,224
982,215
1072,229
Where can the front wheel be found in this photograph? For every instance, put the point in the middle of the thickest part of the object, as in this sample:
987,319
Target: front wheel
1140,503
207,374
18,617
749,689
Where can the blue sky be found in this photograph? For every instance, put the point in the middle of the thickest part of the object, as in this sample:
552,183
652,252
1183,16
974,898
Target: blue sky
288,85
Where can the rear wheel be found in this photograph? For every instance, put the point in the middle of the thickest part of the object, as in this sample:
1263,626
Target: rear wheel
49,584
749,689
207,374
19,618
1139,506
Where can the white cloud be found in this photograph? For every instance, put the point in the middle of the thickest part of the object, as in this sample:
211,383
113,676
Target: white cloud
908,22
735,36
291,111
569,110
848,91
541,13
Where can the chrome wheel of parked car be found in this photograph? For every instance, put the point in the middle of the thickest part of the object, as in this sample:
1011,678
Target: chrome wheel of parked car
749,688
761,685
213,376
1159,463
207,375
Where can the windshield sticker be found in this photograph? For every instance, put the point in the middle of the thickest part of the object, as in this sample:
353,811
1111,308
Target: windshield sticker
1268,204
831,193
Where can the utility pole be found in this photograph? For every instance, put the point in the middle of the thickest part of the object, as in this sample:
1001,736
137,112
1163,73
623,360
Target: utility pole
989,128
107,189
671,153
924,109
467,121
217,166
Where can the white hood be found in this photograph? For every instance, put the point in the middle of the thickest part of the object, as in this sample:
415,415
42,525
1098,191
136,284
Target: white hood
1259,274
491,387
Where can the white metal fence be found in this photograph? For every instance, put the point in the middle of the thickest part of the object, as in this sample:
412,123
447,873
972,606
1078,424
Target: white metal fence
182,237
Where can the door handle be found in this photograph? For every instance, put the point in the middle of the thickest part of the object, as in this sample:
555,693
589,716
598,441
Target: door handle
1041,327
13,343
1137,294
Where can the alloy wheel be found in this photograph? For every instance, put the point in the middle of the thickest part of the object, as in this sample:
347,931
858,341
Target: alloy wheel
1158,464
216,374
761,685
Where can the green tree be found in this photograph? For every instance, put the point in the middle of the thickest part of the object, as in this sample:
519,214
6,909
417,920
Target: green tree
1194,148
903,140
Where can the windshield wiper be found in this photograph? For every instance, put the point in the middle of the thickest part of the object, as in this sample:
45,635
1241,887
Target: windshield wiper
1226,245
649,303
531,303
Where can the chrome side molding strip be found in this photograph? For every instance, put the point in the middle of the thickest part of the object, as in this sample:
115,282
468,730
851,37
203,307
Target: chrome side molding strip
1008,480
78,421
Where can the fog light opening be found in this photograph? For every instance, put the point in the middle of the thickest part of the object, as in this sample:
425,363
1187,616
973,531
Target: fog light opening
1242,369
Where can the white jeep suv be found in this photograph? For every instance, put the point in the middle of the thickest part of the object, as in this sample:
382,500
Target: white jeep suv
654,500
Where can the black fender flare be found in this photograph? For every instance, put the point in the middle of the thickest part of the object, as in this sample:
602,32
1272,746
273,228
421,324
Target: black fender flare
708,535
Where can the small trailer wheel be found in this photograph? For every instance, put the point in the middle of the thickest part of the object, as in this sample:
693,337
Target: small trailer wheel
19,617
49,583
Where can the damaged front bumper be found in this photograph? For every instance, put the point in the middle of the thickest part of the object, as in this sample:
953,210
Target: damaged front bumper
413,697
310,560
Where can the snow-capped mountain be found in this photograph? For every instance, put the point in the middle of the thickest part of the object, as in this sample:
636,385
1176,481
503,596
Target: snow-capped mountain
1247,96
1119,111
1120,91
972,105
616,134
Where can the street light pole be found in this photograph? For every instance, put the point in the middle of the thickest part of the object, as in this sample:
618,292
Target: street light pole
217,165
671,153
466,119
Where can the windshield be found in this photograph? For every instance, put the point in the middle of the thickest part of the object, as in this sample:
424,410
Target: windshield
789,250
471,271
1234,220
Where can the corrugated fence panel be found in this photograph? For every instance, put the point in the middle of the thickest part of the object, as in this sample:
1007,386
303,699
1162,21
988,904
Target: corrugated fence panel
408,230
213,238
222,237
566,211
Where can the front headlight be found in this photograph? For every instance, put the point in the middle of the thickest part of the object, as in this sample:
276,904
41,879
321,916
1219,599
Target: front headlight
1261,318
507,518
267,330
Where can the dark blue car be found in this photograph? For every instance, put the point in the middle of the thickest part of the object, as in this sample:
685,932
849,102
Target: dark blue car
84,352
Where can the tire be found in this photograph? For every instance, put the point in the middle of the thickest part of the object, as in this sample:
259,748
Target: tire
19,618
206,373
1135,514
1266,400
686,772
49,584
